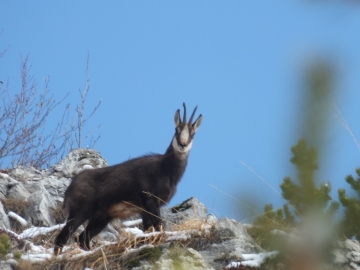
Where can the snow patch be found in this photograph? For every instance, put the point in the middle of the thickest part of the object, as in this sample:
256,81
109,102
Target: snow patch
36,257
35,231
253,260
87,167
13,215
132,222
174,235
178,237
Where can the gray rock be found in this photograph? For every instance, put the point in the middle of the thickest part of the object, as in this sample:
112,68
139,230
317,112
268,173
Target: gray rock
210,219
354,265
3,188
217,254
44,189
353,256
19,192
76,161
192,259
193,253
6,183
227,228
180,259
41,206
6,265
189,209
4,219
107,236
23,174
340,256
347,256
236,242
351,245
109,228
56,187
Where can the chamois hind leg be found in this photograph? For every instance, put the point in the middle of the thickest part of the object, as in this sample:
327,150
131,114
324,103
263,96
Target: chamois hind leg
95,226
72,223
151,215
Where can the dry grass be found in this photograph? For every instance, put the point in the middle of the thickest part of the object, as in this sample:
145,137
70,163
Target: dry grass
124,254
59,214
17,206
114,256
127,252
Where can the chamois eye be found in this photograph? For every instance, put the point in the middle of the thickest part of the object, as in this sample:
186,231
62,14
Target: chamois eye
192,136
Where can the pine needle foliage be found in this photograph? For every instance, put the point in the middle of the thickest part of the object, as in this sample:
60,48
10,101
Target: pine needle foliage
350,225
271,221
304,195
303,198
5,244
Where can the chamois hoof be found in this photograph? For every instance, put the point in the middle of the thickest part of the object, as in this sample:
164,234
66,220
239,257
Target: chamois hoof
57,250
84,247
81,243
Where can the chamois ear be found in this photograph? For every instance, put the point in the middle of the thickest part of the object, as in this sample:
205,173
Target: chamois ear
197,123
177,118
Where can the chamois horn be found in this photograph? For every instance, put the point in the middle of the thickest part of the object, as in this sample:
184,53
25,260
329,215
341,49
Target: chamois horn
192,116
184,118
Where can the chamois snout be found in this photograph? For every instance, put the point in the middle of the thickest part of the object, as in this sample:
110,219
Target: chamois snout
183,145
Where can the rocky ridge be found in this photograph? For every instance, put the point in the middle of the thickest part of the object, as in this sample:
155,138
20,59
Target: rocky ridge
31,213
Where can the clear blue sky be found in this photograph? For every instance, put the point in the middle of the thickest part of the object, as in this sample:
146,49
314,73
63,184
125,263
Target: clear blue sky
239,61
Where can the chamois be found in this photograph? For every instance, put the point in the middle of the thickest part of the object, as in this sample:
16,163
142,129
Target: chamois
137,186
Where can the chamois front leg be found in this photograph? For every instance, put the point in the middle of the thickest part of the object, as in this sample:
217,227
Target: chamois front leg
151,213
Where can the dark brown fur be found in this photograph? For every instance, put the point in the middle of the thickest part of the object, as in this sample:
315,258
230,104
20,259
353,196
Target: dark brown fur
140,185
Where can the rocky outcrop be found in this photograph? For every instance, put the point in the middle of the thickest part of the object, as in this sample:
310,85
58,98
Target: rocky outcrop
35,194
189,209
4,220
31,199
76,161
348,254
187,258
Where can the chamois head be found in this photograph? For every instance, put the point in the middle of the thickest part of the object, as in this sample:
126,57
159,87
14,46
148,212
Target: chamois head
185,131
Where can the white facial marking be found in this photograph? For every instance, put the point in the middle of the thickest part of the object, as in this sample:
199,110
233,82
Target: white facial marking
179,148
184,135
188,147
